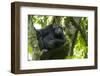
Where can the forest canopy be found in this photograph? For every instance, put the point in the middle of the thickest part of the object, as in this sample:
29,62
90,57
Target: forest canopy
75,30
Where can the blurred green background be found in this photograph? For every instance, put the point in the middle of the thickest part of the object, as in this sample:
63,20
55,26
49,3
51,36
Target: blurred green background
75,31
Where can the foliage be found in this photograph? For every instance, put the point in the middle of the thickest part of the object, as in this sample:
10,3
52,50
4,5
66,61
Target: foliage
75,31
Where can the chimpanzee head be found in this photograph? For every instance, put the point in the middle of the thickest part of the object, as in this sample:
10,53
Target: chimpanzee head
58,30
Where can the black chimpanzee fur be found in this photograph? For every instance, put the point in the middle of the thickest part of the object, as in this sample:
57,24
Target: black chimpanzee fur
51,37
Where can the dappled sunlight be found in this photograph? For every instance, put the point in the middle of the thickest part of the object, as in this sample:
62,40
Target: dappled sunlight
75,30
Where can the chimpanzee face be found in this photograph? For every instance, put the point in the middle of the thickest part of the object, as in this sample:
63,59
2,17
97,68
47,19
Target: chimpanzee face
57,30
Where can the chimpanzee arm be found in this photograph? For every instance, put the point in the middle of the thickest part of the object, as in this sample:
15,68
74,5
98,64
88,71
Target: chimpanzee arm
55,43
59,41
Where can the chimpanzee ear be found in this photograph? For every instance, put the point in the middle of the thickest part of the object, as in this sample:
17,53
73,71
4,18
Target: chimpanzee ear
63,28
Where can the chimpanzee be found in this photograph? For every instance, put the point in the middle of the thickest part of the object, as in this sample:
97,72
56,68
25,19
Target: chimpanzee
51,37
